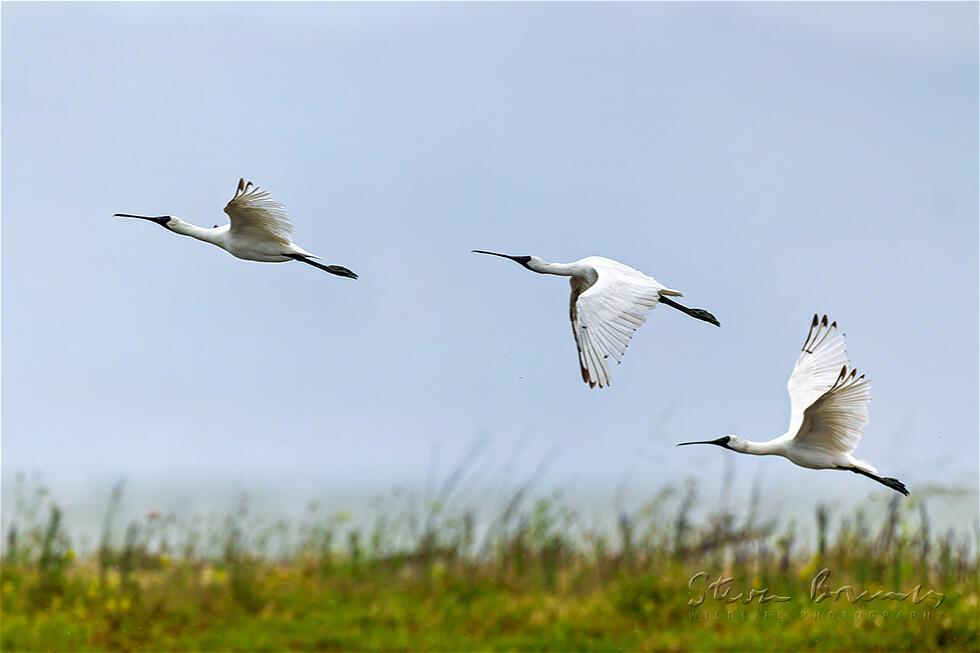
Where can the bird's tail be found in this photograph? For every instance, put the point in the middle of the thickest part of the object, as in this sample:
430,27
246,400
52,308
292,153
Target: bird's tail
698,313
339,270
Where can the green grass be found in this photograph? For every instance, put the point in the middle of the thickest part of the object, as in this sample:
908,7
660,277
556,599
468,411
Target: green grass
536,580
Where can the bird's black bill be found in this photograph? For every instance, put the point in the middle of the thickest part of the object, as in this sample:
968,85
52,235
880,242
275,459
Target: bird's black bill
160,219
721,442
480,251
523,260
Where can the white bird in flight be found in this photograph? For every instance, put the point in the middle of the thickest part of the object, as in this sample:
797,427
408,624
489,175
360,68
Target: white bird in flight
260,230
829,410
609,302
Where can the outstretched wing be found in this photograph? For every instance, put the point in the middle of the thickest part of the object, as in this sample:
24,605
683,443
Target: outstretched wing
833,423
605,315
252,210
816,369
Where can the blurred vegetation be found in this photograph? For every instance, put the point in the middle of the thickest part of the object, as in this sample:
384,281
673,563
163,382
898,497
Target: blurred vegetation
425,576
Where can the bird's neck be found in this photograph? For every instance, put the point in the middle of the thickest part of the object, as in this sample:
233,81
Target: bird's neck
770,448
560,269
213,236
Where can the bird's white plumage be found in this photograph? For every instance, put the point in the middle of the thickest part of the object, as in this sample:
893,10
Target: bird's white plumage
254,212
833,423
605,314
260,230
830,408
816,369
829,402
609,301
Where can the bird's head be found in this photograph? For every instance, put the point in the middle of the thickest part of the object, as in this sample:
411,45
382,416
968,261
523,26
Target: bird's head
165,221
522,260
732,442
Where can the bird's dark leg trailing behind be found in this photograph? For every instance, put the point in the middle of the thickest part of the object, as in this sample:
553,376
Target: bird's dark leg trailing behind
699,313
339,270
893,483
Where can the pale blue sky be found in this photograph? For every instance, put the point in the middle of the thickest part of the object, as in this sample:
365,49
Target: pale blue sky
769,160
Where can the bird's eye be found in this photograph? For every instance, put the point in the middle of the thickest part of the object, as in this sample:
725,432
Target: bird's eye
215,227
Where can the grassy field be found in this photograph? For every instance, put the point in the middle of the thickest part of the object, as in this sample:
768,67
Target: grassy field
533,579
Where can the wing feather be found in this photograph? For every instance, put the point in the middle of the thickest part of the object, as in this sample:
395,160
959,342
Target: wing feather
816,369
252,210
592,370
833,423
605,315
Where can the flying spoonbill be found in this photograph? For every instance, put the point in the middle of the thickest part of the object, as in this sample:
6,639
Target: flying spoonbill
609,302
260,230
829,410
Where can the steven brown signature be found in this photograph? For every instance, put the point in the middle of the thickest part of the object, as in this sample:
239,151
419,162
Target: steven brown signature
722,587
